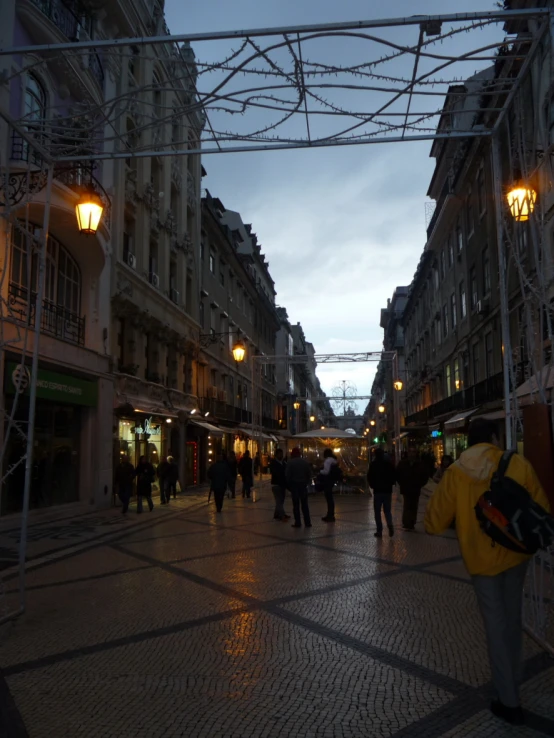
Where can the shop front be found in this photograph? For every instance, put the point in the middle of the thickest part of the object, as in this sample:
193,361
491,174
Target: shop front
65,404
455,431
145,435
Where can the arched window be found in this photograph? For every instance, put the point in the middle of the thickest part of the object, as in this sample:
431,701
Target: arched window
34,116
62,286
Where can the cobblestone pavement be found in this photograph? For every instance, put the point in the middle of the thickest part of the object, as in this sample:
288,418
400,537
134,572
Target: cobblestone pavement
183,622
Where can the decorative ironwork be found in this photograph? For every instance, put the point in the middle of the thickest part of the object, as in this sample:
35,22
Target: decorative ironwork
56,320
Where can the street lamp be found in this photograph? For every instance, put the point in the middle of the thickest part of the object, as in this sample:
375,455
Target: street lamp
372,422
521,201
381,408
89,210
239,351
312,418
296,405
398,385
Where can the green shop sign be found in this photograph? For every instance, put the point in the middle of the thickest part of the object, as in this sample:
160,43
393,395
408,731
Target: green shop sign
51,385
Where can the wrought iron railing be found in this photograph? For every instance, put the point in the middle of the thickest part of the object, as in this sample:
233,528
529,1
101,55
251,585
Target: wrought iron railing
56,320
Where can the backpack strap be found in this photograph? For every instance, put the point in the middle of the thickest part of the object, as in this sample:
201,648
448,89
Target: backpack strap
504,464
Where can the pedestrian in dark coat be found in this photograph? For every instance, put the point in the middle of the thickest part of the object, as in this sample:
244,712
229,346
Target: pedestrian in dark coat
246,471
278,468
162,471
124,475
411,475
218,474
299,477
145,474
232,463
171,478
381,477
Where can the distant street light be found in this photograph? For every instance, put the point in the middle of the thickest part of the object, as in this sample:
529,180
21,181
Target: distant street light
398,385
381,408
372,422
312,418
296,405
521,201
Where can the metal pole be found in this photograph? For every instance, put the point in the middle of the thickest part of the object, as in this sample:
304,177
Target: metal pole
503,287
33,389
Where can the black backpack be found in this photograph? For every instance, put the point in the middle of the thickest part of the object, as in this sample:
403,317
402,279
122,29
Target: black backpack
508,514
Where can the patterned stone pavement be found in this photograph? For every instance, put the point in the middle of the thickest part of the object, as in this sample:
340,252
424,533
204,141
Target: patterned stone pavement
183,622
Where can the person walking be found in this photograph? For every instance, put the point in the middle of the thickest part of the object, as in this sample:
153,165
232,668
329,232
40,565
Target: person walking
497,572
162,471
446,461
233,471
298,475
171,478
328,477
411,475
145,475
218,474
246,472
124,475
277,468
381,478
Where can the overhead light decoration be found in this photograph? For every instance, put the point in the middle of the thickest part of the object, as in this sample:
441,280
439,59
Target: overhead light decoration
239,351
521,201
89,211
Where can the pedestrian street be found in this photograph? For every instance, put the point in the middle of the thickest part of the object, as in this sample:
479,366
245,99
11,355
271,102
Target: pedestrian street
184,622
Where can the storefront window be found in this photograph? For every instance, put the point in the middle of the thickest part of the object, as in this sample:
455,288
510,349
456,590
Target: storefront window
142,437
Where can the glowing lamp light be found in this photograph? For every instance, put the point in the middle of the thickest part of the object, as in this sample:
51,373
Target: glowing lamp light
168,420
239,351
89,210
521,201
336,450
372,422
457,384
322,427
398,385
381,408
312,418
296,406
193,411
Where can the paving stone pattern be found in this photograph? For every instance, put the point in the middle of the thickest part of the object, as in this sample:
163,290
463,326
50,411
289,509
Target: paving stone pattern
184,622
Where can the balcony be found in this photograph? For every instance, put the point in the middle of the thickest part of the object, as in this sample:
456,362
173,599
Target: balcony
488,390
56,320
222,411
69,18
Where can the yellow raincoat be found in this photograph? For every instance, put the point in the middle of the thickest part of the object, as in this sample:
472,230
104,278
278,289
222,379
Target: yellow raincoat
456,496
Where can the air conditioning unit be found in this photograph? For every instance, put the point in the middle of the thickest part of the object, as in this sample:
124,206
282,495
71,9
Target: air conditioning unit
174,296
155,280
212,392
222,396
131,261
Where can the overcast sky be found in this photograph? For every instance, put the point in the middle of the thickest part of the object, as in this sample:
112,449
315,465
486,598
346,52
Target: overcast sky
341,227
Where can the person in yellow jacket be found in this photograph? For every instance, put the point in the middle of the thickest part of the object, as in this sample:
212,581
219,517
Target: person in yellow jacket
497,573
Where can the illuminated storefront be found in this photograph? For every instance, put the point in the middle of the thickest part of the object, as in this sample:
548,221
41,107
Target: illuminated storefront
144,436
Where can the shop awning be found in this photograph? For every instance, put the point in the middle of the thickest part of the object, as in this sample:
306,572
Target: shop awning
248,432
495,415
458,421
213,429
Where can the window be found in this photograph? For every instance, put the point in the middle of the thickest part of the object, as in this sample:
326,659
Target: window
489,356
212,262
476,364
157,95
443,264
213,319
448,382
451,250
153,260
486,272
445,320
222,273
473,288
202,315
436,277
470,222
459,237
463,305
481,195
62,280
457,381
34,113
453,314
202,250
